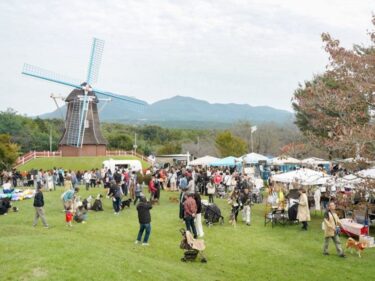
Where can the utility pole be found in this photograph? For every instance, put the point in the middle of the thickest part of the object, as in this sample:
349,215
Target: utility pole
50,138
135,143
198,146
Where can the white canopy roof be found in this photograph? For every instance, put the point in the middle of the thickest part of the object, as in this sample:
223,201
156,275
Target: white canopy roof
254,158
285,160
314,161
203,161
368,173
304,176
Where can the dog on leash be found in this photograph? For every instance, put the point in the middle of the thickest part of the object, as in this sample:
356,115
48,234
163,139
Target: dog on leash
354,245
154,201
126,203
173,199
232,219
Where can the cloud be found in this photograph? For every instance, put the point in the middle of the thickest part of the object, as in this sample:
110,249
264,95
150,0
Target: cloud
241,51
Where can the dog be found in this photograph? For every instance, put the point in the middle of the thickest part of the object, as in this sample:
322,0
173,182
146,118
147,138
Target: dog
86,203
5,204
357,246
232,219
154,201
173,200
126,203
98,204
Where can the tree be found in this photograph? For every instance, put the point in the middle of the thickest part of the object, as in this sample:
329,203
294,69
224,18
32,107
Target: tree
120,141
8,152
229,145
170,148
335,109
242,129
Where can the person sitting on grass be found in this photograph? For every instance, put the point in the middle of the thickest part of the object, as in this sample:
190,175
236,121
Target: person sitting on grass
7,186
80,215
144,218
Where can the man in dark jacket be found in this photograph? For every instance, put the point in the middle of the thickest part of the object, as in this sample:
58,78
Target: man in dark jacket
115,193
38,204
144,218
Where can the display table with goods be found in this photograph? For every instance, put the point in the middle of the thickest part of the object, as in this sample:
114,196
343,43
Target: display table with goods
352,228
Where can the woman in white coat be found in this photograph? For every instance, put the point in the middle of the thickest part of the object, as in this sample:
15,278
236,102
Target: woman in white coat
198,217
303,214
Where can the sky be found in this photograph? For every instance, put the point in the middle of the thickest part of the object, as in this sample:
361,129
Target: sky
223,51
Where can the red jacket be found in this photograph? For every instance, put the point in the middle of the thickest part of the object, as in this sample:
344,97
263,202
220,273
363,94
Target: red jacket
151,186
190,207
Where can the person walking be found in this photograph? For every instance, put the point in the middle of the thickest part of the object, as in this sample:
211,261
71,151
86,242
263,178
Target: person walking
246,199
190,212
210,190
303,213
115,193
331,226
38,205
144,218
198,218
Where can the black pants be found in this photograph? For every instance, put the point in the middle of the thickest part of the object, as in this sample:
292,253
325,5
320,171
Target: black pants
116,204
124,187
136,198
189,221
210,198
304,225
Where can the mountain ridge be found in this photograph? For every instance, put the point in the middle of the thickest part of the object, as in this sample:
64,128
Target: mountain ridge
181,109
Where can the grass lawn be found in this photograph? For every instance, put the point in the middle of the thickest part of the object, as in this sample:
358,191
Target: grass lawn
73,163
103,249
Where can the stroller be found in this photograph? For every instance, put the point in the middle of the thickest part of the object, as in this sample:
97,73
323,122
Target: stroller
192,248
212,214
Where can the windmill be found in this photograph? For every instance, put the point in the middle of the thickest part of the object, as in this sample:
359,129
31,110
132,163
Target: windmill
82,135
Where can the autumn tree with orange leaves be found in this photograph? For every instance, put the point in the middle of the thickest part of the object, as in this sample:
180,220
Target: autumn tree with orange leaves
335,110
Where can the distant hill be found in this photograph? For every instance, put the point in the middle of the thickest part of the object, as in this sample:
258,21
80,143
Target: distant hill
186,112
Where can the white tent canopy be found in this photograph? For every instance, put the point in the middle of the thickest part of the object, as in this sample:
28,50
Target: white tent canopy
304,176
254,158
314,161
285,160
348,181
203,161
368,173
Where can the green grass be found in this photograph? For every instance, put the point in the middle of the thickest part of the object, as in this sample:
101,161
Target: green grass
103,248
73,163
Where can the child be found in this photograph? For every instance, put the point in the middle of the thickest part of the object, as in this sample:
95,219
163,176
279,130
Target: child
81,215
69,215
138,192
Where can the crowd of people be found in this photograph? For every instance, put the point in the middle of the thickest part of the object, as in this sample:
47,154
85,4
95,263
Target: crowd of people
240,190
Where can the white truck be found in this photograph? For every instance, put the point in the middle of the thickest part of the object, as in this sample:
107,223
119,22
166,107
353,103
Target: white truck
133,165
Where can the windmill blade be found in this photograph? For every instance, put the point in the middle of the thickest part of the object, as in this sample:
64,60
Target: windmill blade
120,97
35,71
95,60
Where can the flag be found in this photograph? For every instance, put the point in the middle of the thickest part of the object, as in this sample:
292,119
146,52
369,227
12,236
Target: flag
253,129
